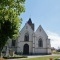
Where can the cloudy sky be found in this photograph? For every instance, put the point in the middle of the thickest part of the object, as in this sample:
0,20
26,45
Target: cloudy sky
47,14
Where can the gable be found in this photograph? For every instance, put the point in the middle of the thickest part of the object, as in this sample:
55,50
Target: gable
26,28
40,32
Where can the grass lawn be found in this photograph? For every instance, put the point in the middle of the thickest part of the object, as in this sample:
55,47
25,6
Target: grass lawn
44,58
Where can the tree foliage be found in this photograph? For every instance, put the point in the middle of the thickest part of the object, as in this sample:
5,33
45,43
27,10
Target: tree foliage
10,21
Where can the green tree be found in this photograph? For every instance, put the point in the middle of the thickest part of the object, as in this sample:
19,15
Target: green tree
10,20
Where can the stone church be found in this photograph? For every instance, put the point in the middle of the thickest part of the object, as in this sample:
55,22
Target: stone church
30,41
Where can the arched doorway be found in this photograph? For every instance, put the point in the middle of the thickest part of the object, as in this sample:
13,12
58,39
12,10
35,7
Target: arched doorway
26,49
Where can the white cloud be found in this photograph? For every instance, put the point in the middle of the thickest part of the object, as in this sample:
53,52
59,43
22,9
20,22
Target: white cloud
55,39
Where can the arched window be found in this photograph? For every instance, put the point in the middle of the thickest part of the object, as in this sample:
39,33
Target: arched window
40,43
26,38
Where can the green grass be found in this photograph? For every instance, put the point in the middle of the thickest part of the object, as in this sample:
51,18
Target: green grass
44,58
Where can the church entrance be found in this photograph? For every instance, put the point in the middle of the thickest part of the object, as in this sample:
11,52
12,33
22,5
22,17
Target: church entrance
26,49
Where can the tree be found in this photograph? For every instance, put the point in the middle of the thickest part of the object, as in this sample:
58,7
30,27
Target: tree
10,20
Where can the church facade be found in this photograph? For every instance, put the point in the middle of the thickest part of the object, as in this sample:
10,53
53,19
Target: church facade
30,41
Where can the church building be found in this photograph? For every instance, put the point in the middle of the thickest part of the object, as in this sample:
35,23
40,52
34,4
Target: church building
31,41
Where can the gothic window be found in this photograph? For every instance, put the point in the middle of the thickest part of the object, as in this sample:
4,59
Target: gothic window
26,38
40,43
13,42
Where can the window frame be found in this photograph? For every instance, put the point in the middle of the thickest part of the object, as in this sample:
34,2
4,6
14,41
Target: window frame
26,37
40,42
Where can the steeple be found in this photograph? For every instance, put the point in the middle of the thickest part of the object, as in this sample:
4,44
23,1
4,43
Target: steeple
30,23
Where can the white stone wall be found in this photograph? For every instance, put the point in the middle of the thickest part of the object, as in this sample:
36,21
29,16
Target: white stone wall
40,50
21,45
21,41
40,33
33,40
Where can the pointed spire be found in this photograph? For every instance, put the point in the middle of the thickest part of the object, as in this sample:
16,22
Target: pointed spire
30,23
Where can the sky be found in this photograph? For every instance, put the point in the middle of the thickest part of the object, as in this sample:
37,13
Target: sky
47,14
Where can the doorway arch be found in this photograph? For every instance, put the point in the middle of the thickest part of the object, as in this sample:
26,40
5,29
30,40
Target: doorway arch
26,49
